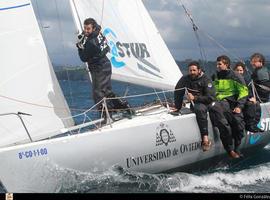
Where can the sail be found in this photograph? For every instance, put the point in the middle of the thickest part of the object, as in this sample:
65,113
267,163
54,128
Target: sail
138,53
27,81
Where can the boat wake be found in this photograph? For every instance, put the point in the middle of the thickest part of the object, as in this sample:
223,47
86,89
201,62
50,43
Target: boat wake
249,180
242,181
247,177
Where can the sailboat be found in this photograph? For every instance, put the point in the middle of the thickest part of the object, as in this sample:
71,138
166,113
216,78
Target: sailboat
36,149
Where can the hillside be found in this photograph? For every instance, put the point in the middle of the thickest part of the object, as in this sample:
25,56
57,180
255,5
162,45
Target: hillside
80,73
73,74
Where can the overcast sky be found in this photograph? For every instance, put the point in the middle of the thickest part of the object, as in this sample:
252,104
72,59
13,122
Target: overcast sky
241,26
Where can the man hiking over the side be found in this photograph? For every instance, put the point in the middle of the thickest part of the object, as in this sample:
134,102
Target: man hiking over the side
201,93
226,114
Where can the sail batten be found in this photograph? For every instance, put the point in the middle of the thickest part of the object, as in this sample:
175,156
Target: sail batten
138,53
27,79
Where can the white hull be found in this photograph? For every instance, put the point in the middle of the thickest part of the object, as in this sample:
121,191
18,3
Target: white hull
134,144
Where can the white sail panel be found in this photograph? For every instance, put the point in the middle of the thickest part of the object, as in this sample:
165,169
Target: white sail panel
138,53
27,81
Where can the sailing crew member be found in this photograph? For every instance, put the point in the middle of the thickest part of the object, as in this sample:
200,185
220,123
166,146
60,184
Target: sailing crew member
92,48
226,113
260,77
252,108
201,93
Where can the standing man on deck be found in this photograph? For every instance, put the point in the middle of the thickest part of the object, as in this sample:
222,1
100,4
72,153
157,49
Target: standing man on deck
201,93
92,48
226,114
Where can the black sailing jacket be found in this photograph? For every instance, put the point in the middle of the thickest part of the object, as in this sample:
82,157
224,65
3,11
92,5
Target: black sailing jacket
95,50
261,81
201,87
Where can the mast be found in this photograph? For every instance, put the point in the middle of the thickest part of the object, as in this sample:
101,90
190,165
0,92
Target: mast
79,25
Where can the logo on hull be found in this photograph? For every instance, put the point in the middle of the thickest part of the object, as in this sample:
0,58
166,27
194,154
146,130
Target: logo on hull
164,135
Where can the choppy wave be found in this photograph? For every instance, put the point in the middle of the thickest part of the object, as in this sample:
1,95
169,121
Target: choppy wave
251,175
241,181
115,180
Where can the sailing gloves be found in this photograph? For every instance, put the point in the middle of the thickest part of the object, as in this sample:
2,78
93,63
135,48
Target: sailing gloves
81,40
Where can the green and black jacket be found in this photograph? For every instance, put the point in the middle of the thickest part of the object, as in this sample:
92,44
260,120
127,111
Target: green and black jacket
231,86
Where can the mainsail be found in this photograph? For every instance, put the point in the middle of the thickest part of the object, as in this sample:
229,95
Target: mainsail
27,80
138,53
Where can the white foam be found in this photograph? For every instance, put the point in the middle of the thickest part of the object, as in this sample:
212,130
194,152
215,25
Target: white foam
219,181
267,147
115,179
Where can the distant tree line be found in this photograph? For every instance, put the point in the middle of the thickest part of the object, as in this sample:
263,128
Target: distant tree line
73,74
209,67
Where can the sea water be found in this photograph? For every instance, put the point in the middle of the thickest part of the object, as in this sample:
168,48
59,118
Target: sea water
251,174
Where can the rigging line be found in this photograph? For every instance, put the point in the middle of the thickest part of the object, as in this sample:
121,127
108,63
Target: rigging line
157,95
69,86
35,104
202,51
186,93
60,29
220,45
208,36
86,111
166,101
127,90
81,26
254,91
148,94
90,120
257,95
195,29
40,19
77,15
100,123
85,116
253,88
130,96
102,13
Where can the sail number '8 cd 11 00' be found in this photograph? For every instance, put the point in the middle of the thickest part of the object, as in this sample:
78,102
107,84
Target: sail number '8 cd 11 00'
33,153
